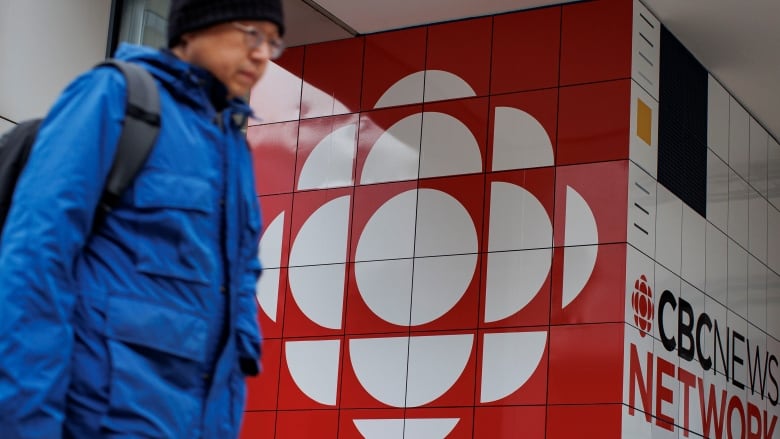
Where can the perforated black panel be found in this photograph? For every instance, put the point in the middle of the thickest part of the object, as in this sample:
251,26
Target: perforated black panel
682,124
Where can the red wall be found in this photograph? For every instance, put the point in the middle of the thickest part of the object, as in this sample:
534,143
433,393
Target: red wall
551,365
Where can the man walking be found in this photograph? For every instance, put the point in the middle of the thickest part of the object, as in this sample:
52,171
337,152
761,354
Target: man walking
146,324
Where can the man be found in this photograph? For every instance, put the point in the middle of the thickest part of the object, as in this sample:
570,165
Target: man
145,326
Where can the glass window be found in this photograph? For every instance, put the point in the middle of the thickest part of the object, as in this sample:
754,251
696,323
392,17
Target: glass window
144,22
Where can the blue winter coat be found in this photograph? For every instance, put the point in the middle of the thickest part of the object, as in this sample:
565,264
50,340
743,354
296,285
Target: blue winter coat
143,327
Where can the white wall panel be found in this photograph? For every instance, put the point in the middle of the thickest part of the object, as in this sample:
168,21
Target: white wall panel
757,218
773,175
757,309
694,238
716,264
717,118
43,46
738,209
737,279
773,244
772,304
739,138
641,209
717,191
646,43
668,230
758,156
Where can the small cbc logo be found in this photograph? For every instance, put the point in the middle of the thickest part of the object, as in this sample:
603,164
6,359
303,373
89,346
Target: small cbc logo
642,303
387,272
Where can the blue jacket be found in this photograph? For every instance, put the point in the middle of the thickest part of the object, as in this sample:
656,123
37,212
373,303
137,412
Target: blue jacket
147,326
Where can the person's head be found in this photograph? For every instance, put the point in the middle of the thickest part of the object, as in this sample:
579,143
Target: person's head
232,39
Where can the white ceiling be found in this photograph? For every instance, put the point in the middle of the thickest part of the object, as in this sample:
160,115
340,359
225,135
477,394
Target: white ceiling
737,41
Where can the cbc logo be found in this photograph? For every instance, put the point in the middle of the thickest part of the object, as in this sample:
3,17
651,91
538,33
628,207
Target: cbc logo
642,303
399,272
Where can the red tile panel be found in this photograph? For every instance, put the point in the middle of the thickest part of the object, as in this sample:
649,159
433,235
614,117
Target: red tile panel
353,393
375,125
296,322
306,208
467,190
584,421
455,422
258,425
273,155
390,57
319,132
276,210
462,391
524,235
277,97
539,182
586,364
462,416
307,376
262,390
351,420
472,113
511,348
602,297
271,325
360,318
526,48
593,122
535,312
462,314
604,188
596,41
307,203
307,424
510,422
451,44
332,74
588,285
541,106
368,200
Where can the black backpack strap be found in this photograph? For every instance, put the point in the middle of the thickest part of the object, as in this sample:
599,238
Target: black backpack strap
139,133
15,147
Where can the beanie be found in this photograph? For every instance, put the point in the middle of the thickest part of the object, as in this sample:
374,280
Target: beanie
189,15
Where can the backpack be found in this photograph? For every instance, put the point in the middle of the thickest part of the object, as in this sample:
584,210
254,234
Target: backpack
139,133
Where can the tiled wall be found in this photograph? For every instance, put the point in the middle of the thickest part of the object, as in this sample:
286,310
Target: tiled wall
701,355
455,216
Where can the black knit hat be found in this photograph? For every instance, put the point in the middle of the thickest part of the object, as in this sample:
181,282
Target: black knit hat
189,15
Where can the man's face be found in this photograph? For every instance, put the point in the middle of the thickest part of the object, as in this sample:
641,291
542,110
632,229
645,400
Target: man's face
229,52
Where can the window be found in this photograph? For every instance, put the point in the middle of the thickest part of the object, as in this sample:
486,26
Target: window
144,22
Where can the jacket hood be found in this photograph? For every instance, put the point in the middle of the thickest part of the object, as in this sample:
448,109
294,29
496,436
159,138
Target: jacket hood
186,81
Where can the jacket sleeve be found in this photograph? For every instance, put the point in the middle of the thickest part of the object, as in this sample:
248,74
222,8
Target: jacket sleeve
248,329
47,226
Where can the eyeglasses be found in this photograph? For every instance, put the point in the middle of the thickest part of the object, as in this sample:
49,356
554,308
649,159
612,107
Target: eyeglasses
256,38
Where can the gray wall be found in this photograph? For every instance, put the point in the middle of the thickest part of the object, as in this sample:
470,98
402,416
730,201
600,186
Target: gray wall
44,44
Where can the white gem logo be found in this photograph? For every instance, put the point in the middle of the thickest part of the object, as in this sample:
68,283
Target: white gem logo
400,274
